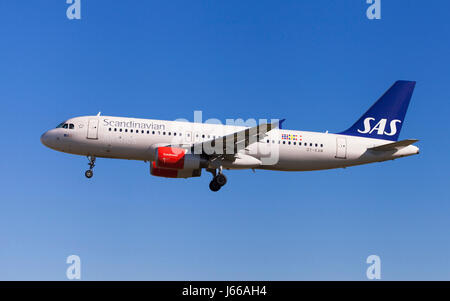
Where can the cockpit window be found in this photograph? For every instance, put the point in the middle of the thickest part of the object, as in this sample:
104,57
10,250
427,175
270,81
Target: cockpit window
64,125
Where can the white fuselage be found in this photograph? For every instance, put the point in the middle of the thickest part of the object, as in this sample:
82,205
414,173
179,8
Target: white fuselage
288,150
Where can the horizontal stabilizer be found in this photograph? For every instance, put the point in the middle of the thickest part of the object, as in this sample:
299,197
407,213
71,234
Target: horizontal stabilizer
393,146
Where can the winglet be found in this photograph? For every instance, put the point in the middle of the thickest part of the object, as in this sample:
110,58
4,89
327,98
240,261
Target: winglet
280,123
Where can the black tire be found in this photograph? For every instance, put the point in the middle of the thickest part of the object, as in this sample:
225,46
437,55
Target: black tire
89,173
220,179
214,186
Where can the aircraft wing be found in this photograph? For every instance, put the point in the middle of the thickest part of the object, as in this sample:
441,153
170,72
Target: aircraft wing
394,145
232,143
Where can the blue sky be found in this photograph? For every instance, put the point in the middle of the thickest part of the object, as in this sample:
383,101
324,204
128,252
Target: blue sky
319,64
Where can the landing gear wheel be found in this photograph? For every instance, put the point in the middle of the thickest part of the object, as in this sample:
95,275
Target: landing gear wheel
214,186
89,173
220,179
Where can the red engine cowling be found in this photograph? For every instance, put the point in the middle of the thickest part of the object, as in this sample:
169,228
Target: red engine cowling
173,173
173,162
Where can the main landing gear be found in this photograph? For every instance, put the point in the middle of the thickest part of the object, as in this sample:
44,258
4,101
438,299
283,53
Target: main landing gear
218,180
89,173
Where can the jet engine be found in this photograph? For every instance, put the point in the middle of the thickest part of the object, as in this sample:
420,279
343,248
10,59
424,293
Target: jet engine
174,162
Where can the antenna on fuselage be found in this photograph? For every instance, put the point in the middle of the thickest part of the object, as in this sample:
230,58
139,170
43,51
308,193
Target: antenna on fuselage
99,113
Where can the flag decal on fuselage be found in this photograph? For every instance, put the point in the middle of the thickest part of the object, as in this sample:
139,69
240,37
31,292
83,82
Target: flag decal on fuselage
291,137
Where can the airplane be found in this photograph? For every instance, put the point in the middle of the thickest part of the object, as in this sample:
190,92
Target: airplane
178,149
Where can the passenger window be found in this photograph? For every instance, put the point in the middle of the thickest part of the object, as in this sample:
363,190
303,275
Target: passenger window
115,130
142,132
289,142
126,130
316,144
321,145
174,134
310,144
131,131
169,133
110,129
153,132
164,133
148,132
120,130
284,142
295,143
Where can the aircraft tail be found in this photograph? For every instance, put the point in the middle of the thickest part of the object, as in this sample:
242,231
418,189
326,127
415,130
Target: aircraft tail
385,117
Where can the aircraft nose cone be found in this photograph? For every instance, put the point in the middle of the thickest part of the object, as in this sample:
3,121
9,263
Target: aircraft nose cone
45,139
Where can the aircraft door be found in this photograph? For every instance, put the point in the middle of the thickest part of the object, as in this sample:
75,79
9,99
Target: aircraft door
341,148
92,132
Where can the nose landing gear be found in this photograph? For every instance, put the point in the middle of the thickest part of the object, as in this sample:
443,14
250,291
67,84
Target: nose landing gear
89,173
218,180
